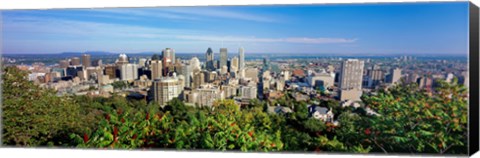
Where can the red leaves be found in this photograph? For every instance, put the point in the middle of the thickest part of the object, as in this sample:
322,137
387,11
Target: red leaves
107,117
134,136
273,145
148,116
115,133
119,111
123,120
367,131
250,133
85,138
233,124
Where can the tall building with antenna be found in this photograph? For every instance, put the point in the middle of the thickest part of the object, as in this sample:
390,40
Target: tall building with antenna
223,57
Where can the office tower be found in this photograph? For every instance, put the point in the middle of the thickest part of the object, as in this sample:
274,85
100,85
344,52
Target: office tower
223,57
142,62
252,74
286,75
165,89
234,65
111,71
156,68
75,61
198,79
129,72
210,65
351,79
97,62
73,70
266,64
241,60
86,60
395,75
248,92
187,73
375,76
168,55
195,63
64,63
122,59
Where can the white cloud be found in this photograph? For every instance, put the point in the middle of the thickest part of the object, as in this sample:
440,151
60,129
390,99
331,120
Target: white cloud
305,40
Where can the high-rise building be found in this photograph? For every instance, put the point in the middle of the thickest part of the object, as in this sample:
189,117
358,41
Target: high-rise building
168,55
210,65
111,71
395,75
165,89
266,64
252,74
187,73
86,60
64,63
351,79
223,57
156,67
375,76
248,92
198,79
234,65
75,61
129,72
73,70
241,60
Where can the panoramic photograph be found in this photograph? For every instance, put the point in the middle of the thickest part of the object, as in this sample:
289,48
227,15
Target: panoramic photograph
382,78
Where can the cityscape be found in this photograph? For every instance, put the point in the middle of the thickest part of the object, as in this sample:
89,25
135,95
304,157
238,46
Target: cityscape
227,97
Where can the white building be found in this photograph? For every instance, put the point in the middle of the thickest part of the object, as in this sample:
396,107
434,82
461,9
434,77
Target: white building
128,72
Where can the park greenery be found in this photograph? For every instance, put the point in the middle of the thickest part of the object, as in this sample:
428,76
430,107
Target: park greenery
409,121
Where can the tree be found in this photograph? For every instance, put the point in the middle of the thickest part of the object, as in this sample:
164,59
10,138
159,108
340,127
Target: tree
412,121
34,116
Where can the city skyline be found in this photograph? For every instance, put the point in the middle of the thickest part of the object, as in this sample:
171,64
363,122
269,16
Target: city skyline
417,28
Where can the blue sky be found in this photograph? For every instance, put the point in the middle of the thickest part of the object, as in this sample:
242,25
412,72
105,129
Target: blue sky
397,28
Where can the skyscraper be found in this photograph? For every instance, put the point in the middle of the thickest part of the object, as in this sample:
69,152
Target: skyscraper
111,71
395,74
165,89
86,60
223,57
241,56
210,65
187,73
375,76
351,79
168,56
128,72
156,67
63,63
75,61
234,65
